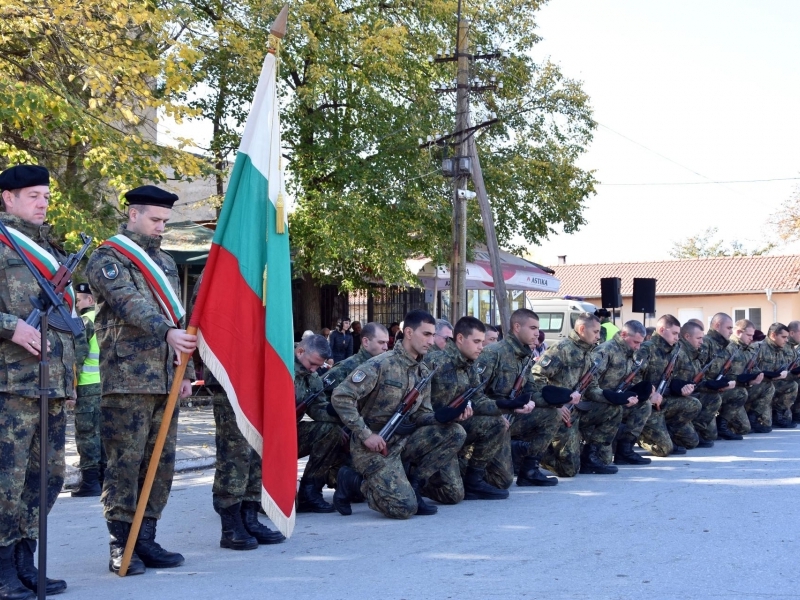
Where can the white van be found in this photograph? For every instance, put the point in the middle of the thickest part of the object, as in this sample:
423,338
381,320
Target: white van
557,316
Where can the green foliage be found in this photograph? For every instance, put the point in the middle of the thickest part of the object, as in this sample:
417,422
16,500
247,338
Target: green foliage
702,245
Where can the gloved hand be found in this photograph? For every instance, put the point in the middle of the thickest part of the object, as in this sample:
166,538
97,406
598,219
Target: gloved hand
518,402
331,410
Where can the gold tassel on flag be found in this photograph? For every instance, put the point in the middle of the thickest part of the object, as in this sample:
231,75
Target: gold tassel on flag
264,288
279,216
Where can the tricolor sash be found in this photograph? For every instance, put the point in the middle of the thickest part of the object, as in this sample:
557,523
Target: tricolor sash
44,262
159,284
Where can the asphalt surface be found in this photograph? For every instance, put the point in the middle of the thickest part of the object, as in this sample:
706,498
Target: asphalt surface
720,522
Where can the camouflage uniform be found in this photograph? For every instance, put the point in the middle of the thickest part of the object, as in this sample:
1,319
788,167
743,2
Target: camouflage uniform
759,396
341,370
485,429
137,366
87,417
772,361
676,411
19,395
320,438
617,360
500,364
366,401
563,365
732,406
704,424
795,408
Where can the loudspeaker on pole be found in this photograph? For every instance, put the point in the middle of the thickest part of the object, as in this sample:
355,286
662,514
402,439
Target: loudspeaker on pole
644,295
611,292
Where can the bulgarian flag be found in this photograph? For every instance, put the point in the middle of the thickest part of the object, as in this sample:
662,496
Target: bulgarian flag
244,307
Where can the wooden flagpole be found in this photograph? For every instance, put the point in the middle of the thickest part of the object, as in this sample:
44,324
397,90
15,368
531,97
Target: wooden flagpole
155,458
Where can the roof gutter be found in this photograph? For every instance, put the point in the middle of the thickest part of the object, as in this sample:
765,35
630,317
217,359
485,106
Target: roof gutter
768,292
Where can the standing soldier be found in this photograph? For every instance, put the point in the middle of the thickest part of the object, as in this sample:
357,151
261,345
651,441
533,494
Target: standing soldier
26,195
619,358
775,360
485,428
531,430
138,327
236,493
389,473
318,437
596,417
717,343
676,409
87,406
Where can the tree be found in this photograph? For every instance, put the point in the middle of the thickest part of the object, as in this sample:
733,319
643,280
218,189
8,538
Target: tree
81,83
702,245
358,92
787,219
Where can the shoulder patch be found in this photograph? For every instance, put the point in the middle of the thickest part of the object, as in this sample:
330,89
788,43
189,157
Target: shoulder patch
546,360
110,271
480,369
359,376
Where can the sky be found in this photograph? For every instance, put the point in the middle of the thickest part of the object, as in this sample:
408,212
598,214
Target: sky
683,92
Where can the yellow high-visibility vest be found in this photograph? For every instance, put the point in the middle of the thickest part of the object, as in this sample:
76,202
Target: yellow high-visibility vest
90,371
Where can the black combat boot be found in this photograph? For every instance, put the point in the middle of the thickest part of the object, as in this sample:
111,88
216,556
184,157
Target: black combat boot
423,508
90,484
676,449
28,573
309,497
704,443
724,431
11,588
234,534
591,463
348,484
151,552
119,531
254,527
625,454
755,426
477,488
781,421
518,452
530,474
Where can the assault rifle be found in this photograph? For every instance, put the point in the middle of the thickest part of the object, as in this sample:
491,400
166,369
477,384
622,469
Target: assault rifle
301,407
699,377
51,298
752,362
727,366
406,404
667,374
626,383
519,383
466,395
584,381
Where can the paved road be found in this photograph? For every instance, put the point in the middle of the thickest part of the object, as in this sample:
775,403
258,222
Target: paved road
716,523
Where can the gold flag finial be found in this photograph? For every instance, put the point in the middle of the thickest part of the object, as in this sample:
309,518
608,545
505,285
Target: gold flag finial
278,31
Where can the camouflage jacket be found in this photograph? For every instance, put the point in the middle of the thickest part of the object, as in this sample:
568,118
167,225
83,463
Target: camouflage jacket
500,364
564,363
130,326
772,359
715,344
341,370
689,363
742,358
657,353
19,370
306,382
616,362
456,375
370,395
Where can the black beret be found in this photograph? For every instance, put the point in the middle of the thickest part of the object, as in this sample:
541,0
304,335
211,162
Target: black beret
617,398
556,395
643,389
23,176
83,288
150,195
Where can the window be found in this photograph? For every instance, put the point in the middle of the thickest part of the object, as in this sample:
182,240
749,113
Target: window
551,322
752,314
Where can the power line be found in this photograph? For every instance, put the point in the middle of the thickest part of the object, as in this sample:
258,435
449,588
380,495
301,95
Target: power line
705,182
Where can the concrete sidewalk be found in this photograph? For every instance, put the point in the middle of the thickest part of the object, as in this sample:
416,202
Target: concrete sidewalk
196,447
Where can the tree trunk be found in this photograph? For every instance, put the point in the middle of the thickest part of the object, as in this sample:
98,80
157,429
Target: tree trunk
308,305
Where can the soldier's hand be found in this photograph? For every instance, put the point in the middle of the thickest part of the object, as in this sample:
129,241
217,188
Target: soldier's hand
466,414
687,389
181,342
526,409
731,384
758,379
375,443
27,337
575,397
632,401
783,374
655,400
186,389
563,412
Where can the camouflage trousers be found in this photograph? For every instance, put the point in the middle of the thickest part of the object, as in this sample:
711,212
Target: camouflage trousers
784,397
630,428
705,423
237,475
321,441
485,436
19,464
428,450
129,425
796,404
732,409
87,427
671,425
596,425
759,404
